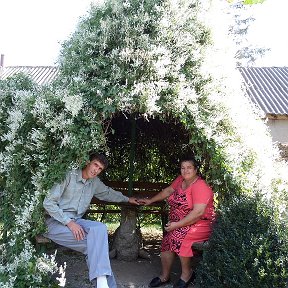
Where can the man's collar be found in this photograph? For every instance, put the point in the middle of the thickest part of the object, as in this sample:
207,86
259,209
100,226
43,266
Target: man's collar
79,176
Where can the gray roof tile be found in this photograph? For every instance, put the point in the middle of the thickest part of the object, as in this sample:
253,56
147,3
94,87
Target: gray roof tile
267,87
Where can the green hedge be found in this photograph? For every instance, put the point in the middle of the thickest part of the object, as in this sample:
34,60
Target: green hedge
248,247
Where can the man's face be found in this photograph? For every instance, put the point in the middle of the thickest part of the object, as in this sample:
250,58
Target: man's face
92,169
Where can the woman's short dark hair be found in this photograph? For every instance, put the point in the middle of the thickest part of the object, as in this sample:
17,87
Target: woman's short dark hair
190,158
100,157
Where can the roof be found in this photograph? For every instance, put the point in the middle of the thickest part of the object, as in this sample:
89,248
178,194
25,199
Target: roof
40,74
267,87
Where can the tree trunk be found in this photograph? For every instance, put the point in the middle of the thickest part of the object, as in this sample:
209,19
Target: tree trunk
127,240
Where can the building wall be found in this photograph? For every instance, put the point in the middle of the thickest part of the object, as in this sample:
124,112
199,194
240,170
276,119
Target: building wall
278,129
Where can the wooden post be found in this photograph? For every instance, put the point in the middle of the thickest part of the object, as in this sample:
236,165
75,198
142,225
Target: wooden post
132,155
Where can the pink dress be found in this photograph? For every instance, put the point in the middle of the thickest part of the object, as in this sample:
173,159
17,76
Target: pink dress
181,203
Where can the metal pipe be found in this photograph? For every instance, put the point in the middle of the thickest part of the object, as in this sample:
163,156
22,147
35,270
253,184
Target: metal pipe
2,60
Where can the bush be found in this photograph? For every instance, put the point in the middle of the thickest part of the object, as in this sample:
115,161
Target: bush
247,249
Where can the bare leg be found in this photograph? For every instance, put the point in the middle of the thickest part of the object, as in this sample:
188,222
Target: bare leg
167,259
186,268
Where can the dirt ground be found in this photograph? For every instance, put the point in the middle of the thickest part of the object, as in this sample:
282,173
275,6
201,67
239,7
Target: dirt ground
136,274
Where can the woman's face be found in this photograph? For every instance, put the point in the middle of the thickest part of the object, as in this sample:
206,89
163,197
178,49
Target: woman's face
188,170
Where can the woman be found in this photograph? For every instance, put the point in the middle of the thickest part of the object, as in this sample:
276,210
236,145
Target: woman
190,217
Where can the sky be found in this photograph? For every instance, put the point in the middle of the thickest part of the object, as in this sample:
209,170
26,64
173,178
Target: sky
270,30
31,31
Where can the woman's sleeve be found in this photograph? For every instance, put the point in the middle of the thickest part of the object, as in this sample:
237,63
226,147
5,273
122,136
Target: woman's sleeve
203,193
176,182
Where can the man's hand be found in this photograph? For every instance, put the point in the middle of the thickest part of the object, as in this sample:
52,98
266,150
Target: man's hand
133,200
77,230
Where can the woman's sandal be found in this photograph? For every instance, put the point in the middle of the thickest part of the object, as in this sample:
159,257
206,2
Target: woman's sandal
156,282
182,284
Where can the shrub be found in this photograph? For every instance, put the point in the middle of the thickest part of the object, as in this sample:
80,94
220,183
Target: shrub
248,247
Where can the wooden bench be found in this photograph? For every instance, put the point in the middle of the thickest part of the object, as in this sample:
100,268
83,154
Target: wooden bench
140,190
200,246
40,239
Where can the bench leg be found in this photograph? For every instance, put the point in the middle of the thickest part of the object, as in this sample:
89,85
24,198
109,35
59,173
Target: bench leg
164,220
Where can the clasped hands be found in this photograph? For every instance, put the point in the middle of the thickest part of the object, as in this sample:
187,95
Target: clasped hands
140,201
144,201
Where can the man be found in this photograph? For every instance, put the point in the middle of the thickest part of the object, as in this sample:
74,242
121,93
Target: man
67,202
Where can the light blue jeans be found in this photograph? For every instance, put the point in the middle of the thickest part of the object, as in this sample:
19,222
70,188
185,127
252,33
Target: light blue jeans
94,246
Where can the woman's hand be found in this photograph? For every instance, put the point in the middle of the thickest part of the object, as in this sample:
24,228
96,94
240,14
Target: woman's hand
170,226
145,201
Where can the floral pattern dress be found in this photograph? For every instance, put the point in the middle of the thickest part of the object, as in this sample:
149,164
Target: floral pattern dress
181,203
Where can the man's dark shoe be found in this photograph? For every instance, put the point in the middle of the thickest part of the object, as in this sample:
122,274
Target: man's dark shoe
156,282
182,284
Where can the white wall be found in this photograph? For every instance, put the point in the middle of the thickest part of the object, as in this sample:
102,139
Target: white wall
278,129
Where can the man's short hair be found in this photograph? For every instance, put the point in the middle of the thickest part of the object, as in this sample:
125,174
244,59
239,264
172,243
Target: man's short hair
100,157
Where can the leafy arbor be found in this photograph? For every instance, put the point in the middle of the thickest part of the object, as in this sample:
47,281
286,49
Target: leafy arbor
142,62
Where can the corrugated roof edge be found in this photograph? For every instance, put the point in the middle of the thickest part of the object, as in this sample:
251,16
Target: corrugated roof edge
42,75
267,87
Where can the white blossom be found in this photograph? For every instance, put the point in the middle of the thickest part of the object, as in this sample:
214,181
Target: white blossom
58,122
126,4
9,283
41,108
24,211
66,139
73,103
62,279
47,263
15,120
6,159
